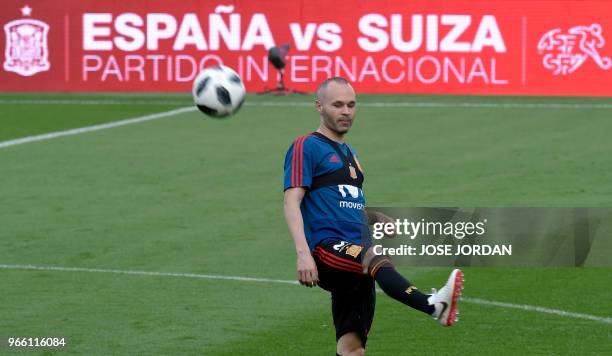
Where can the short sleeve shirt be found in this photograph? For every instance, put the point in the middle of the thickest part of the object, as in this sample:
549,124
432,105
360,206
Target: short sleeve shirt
335,211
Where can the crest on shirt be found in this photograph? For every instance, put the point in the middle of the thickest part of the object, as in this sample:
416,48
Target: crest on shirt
352,172
26,50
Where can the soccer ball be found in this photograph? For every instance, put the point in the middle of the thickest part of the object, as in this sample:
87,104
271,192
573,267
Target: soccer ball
218,91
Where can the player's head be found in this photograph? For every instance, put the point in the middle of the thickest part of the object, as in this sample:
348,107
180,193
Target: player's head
336,104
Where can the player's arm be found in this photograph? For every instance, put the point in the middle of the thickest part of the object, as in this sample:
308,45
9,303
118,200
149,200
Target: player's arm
306,267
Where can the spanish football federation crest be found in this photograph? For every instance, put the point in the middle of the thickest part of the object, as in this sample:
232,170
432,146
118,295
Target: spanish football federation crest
26,50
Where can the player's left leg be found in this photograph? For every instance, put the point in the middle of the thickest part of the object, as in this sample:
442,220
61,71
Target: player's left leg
441,305
445,300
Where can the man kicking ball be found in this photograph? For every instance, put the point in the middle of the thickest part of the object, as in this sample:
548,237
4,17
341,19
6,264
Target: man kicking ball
324,207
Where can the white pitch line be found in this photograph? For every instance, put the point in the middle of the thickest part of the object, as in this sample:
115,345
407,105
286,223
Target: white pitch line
146,273
539,309
408,104
76,131
80,130
415,104
471,300
90,102
491,105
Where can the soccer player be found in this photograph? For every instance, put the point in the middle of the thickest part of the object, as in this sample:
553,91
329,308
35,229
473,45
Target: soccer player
324,207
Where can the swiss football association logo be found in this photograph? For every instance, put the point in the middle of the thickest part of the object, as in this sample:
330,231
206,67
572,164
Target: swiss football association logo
565,52
26,50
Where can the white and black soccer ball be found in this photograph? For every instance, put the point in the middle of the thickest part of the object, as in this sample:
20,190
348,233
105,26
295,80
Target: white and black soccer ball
218,91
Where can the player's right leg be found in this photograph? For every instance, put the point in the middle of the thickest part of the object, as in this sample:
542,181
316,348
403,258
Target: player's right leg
350,344
353,294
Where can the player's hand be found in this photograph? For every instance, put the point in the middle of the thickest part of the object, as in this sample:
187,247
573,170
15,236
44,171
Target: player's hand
307,270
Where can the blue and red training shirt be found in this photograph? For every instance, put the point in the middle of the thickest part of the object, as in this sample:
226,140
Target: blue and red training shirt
334,203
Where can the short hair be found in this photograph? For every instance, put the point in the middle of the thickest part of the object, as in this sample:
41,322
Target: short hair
325,83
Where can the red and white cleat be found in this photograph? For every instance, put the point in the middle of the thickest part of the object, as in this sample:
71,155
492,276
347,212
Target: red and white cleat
446,299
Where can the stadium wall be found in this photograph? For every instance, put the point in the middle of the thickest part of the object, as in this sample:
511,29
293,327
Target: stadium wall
442,47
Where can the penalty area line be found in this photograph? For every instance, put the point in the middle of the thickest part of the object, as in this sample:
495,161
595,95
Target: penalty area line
80,130
470,300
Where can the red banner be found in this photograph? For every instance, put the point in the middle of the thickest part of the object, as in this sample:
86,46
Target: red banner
458,47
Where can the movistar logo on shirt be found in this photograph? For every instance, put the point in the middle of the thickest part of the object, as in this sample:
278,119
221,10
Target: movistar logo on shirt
352,192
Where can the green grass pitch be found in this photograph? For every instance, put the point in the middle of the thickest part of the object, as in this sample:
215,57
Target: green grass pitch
190,195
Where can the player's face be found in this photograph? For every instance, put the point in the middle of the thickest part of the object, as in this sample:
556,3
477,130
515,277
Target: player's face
337,107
